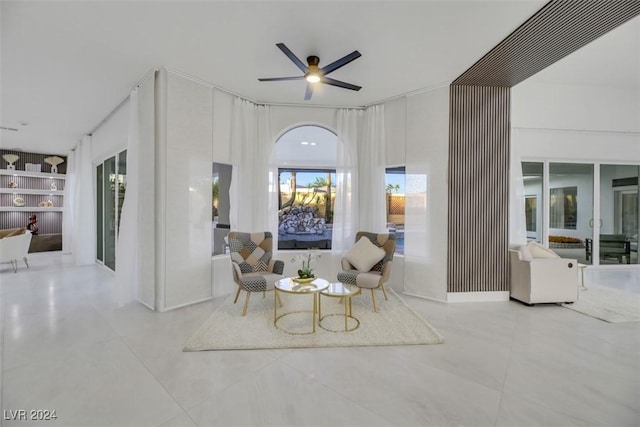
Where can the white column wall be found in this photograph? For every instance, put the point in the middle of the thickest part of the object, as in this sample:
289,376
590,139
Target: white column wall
186,173
427,144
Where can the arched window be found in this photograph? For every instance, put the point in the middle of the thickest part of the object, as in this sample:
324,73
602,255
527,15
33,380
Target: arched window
306,160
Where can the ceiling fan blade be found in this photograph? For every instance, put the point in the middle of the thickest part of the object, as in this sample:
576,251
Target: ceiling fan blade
308,91
280,79
334,82
341,62
292,57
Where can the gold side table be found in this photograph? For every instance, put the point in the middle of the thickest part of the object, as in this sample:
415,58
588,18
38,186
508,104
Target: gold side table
339,290
289,286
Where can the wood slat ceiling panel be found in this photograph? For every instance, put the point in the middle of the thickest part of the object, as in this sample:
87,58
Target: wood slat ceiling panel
560,28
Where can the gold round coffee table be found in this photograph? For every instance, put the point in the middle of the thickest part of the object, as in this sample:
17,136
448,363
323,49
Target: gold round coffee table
289,286
346,292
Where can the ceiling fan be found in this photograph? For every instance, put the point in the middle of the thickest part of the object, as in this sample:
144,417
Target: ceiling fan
313,73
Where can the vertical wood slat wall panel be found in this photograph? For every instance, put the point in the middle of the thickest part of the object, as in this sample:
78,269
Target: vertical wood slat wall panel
478,229
48,222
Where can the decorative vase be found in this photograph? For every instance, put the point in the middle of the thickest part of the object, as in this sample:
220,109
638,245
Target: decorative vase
303,280
54,161
10,158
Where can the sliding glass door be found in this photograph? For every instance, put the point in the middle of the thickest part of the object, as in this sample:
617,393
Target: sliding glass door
571,210
586,211
110,192
619,214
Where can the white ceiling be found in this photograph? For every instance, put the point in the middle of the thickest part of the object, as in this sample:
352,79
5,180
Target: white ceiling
66,65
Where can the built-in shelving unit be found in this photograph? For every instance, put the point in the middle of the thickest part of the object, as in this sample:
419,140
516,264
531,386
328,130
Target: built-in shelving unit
40,193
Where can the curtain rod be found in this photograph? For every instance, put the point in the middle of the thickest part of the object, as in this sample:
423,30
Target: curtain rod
138,83
222,89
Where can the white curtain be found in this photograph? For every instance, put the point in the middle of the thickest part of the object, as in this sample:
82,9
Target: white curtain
517,218
84,213
371,172
68,219
127,243
345,218
251,147
135,250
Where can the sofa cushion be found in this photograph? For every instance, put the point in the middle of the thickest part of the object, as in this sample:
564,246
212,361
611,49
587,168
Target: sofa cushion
364,254
12,232
539,251
525,253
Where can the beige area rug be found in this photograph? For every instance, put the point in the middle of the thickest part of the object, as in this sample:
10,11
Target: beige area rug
610,305
395,323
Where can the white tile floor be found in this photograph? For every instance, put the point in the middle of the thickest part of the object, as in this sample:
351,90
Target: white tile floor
65,347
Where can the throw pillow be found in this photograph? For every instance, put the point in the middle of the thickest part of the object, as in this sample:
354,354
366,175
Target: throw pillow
539,251
364,254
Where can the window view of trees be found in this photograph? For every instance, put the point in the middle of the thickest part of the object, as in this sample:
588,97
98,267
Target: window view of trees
395,204
305,208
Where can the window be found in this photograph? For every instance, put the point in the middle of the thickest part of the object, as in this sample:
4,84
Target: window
305,208
530,210
395,204
306,160
220,206
563,208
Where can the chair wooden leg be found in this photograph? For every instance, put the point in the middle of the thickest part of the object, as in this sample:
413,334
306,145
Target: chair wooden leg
246,304
25,262
373,298
264,294
237,295
384,292
14,264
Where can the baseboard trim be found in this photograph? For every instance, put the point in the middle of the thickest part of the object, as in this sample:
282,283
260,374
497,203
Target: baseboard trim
423,297
477,296
174,307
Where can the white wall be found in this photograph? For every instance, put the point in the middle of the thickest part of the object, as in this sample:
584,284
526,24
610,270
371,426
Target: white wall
427,142
580,108
576,122
111,136
185,171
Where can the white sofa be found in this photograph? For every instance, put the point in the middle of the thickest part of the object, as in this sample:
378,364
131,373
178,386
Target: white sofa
15,247
538,275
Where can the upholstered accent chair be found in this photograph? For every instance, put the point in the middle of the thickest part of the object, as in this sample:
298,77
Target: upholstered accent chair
539,275
368,266
253,268
14,245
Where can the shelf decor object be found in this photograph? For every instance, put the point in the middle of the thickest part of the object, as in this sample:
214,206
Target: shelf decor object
11,159
53,186
54,161
18,201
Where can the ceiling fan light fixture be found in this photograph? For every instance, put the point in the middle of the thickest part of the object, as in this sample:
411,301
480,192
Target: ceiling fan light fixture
312,78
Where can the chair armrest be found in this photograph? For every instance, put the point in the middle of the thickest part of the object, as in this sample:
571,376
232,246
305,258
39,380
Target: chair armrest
276,266
237,273
386,271
346,265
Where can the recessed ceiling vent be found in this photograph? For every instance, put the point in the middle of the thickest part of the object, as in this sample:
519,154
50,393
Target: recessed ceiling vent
8,128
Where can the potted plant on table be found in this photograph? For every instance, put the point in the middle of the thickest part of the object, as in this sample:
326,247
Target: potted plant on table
305,273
